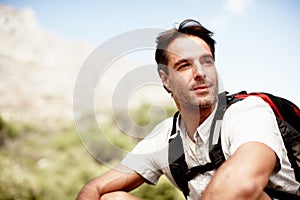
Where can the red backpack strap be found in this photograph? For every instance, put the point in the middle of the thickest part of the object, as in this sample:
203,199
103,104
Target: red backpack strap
266,98
283,109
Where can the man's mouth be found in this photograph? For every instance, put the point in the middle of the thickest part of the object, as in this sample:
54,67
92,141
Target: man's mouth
201,88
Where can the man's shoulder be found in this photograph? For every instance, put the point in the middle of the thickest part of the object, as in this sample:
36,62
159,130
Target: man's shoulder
161,131
250,103
157,140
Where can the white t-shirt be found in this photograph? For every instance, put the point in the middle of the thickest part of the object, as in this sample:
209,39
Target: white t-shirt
249,120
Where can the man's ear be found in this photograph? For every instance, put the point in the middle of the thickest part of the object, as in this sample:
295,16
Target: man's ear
165,80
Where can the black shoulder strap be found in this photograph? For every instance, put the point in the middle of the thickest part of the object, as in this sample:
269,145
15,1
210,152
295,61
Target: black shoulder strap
177,164
216,124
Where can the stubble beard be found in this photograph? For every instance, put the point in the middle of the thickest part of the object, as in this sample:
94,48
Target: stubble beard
202,103
193,103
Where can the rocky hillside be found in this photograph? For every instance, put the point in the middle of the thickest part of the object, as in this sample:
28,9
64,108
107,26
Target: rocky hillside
37,68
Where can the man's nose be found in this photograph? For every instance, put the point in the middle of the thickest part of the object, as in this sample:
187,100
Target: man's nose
198,70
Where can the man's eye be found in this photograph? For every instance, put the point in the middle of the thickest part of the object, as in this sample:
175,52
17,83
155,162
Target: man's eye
183,66
207,62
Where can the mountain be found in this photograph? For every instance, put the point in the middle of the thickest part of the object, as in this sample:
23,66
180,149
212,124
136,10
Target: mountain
38,69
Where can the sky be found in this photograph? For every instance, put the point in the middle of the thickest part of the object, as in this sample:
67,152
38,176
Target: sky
257,40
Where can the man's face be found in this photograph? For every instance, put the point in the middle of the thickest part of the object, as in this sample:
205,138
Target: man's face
192,76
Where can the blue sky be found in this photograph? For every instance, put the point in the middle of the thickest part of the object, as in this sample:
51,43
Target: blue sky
257,40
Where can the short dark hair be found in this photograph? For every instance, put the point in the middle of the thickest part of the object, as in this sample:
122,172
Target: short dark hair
165,38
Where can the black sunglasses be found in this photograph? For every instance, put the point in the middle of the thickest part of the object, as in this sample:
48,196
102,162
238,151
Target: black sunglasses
187,23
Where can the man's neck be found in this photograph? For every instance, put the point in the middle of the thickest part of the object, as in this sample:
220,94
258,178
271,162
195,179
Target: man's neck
194,117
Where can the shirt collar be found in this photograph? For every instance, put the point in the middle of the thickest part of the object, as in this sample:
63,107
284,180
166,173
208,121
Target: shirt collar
203,131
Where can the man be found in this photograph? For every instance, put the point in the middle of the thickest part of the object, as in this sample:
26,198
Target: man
251,140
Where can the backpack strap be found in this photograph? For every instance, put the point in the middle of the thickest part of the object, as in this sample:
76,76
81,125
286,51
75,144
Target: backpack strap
282,108
176,158
265,97
177,164
216,124
217,158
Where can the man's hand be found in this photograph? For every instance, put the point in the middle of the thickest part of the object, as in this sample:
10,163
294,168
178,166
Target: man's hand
119,179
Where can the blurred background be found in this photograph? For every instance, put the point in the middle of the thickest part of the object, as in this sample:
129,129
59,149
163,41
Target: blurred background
44,44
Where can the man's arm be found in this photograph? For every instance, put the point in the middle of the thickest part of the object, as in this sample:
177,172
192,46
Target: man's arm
244,175
119,179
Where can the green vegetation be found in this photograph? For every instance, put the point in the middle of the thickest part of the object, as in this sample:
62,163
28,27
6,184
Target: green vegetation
162,191
35,165
7,130
41,163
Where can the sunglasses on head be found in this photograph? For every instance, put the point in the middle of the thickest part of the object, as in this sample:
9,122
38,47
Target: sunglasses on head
187,23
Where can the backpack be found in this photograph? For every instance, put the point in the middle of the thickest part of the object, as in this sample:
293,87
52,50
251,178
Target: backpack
288,120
